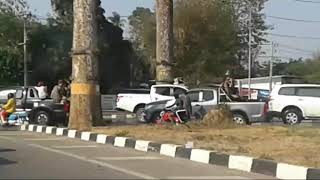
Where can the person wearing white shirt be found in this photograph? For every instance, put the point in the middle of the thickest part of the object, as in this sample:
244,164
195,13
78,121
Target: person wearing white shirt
42,90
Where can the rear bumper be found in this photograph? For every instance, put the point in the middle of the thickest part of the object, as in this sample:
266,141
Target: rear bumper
124,106
260,118
60,116
272,114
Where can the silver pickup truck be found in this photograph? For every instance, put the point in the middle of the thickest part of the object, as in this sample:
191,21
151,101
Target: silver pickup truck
206,99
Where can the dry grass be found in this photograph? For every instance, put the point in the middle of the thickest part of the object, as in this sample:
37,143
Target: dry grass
293,145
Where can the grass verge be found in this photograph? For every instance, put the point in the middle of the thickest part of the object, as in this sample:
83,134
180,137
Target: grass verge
293,145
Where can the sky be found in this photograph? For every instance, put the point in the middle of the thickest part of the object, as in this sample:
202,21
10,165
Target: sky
285,47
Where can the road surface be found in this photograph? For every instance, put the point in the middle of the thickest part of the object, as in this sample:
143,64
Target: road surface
38,156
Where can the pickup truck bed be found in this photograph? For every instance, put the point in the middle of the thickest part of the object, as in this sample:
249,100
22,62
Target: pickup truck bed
243,112
44,112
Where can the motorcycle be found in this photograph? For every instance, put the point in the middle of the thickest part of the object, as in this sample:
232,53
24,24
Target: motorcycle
170,115
17,118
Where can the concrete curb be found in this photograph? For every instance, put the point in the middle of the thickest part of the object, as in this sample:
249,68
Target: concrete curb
243,163
119,116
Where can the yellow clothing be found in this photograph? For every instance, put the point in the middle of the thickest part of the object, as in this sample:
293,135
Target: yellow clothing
10,107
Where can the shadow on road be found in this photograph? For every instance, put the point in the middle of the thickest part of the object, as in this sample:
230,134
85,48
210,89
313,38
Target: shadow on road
7,150
10,128
4,162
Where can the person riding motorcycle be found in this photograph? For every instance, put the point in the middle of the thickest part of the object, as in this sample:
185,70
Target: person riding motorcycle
182,102
8,108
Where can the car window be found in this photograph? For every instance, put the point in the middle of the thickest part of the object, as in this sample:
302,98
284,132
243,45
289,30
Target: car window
287,91
179,90
32,93
194,96
19,94
308,91
208,95
165,91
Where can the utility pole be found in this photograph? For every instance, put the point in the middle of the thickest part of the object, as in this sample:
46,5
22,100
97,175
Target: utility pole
271,67
273,45
25,55
85,106
164,60
250,56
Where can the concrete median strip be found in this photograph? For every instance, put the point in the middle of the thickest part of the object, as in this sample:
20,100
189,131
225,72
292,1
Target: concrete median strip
243,163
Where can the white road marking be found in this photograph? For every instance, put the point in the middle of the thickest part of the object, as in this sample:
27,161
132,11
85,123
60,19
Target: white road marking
128,158
71,147
207,177
6,138
107,165
45,139
17,134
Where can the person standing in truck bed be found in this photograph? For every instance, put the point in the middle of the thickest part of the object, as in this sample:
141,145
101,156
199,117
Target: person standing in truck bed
56,93
42,90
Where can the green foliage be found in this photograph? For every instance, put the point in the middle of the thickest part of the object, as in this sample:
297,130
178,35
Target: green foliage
241,13
309,69
18,8
115,53
116,20
49,47
205,39
11,59
143,37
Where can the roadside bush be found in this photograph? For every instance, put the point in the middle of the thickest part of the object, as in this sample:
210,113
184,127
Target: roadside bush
122,133
220,118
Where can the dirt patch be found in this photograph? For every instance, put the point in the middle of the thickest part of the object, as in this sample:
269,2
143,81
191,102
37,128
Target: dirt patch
293,145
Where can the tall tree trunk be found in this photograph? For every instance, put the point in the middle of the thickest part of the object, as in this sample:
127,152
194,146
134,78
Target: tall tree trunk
164,41
85,95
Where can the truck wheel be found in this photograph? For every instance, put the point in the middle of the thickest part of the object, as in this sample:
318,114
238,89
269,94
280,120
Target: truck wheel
42,118
239,119
156,118
139,113
292,116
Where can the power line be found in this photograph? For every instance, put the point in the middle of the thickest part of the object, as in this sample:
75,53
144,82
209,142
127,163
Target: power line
291,19
295,52
295,48
280,57
292,36
308,1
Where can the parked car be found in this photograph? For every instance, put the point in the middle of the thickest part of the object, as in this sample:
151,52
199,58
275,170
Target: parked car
43,112
295,102
135,102
205,99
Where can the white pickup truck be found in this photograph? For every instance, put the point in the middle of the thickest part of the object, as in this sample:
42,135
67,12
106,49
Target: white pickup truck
134,102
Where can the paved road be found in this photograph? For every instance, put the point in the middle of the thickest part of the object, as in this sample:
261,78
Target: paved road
30,155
